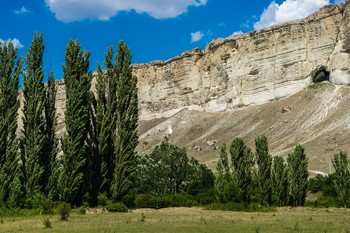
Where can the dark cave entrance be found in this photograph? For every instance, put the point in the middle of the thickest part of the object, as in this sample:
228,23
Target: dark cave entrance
320,74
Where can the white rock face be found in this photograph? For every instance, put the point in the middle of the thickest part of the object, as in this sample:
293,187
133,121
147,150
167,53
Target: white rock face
249,69
244,70
340,59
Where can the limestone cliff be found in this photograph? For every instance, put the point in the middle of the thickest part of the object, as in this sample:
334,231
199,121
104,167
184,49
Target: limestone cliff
246,69
200,96
249,69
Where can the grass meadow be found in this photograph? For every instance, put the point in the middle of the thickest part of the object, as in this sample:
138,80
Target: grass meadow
187,220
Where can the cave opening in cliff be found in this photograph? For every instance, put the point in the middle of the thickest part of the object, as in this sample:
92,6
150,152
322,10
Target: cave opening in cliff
320,74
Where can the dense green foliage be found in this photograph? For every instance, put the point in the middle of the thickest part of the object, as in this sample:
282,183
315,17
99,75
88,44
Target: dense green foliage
342,176
167,170
51,164
10,69
127,115
117,207
225,185
105,123
32,144
280,181
76,174
325,186
244,179
297,176
242,168
264,163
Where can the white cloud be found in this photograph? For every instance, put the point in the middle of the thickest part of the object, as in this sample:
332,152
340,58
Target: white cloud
21,11
196,36
77,10
287,11
14,41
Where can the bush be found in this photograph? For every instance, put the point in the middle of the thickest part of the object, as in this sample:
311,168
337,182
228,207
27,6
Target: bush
154,202
64,211
116,207
81,210
47,206
102,199
47,223
40,202
146,201
35,202
129,200
239,207
324,202
180,200
206,198
5,212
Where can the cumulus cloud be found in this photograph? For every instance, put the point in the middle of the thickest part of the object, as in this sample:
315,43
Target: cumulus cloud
287,11
21,11
196,36
77,10
14,41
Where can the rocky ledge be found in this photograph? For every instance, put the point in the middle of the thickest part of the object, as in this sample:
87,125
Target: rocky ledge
249,69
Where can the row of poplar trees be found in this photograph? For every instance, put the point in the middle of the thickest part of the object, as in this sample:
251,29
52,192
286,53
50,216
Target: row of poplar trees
270,181
101,129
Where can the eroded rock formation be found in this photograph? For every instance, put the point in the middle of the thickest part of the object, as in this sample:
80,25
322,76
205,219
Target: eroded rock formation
249,69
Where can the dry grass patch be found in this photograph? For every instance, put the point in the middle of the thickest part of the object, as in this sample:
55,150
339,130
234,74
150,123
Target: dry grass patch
190,220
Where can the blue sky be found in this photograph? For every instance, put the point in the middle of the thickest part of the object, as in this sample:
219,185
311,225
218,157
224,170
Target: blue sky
153,29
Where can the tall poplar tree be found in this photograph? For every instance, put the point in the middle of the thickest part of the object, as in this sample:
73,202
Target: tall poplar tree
10,70
342,176
264,163
297,175
75,179
280,180
52,163
223,176
242,166
126,138
32,143
225,185
106,121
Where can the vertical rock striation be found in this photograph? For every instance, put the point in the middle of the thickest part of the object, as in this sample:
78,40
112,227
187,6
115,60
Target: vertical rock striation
244,70
249,69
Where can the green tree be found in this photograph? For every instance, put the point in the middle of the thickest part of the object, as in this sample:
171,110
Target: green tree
298,175
173,164
32,143
10,70
223,177
264,163
199,178
167,170
75,179
126,138
52,164
242,166
342,176
280,180
106,122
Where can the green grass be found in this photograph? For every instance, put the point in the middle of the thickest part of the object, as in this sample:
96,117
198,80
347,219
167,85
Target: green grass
189,220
